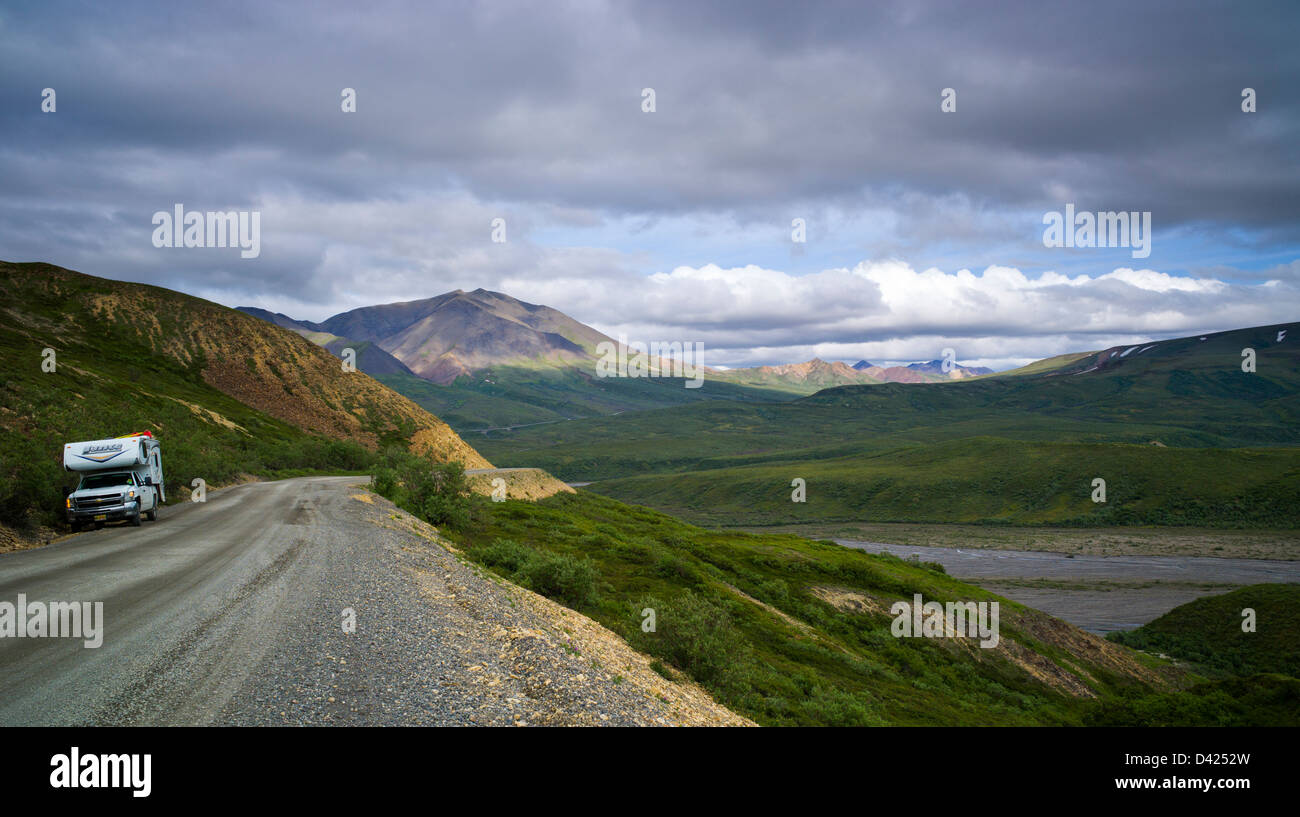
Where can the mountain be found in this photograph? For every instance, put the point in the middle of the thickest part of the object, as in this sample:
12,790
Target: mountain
798,378
276,318
228,394
930,371
369,358
817,374
457,333
955,372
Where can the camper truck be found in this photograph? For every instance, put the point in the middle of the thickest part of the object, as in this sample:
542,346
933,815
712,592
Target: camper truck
121,478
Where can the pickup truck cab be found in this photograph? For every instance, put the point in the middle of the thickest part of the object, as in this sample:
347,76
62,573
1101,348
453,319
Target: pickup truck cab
121,479
104,497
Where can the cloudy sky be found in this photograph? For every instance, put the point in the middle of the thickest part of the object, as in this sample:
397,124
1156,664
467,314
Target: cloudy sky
924,228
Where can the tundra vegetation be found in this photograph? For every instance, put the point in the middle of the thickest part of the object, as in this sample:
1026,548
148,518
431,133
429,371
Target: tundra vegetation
1181,434
791,631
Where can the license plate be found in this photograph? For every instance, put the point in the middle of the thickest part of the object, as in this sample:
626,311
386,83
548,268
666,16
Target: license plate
100,517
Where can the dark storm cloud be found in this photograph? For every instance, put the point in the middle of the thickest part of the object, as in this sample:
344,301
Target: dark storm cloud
1136,104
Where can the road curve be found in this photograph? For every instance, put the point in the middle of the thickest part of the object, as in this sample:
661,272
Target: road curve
231,612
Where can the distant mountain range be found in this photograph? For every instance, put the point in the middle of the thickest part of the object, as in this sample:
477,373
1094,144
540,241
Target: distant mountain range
816,374
459,333
484,360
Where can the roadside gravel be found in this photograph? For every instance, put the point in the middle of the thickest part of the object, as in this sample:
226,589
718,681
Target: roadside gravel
439,641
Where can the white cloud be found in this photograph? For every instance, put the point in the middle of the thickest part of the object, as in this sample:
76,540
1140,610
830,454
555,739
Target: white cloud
889,311
380,251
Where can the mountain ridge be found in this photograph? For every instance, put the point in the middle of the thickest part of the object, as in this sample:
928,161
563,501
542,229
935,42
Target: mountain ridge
459,334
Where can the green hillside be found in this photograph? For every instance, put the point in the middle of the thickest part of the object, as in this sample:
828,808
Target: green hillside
1180,433
1256,675
790,631
1208,632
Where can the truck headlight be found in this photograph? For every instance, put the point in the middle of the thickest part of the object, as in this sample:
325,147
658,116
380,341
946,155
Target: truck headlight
68,502
131,494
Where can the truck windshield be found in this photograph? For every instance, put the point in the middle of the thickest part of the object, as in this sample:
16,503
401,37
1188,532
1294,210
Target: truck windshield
105,480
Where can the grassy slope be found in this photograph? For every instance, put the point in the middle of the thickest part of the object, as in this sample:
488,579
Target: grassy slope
742,614
988,480
1255,674
1208,632
1021,449
228,394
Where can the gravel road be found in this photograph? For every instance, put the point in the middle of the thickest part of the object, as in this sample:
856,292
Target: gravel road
232,612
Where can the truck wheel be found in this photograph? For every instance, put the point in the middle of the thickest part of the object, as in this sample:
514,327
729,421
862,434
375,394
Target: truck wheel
135,520
76,527
151,514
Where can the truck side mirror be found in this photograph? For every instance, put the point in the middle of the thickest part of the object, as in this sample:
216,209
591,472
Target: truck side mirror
148,480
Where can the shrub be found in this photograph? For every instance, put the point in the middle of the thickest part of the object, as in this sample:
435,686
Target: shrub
436,492
697,635
506,554
384,481
561,576
677,569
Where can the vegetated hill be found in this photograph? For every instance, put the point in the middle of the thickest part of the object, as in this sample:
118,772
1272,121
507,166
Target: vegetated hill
985,480
1157,406
795,632
1208,632
505,396
227,393
1254,674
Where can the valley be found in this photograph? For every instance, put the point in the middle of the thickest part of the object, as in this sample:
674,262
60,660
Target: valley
973,487
1180,434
